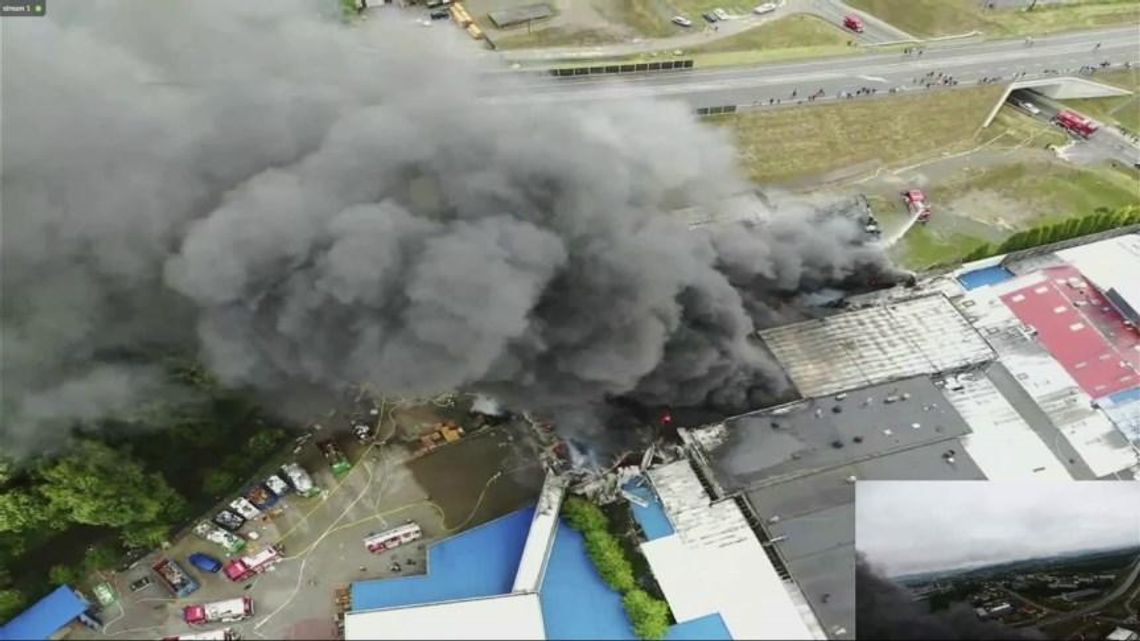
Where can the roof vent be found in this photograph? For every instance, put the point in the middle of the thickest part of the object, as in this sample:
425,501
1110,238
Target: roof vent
851,479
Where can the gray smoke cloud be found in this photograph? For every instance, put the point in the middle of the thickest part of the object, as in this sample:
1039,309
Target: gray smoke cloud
305,205
885,610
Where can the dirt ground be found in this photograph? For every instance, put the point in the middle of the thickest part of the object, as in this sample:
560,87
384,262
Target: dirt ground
489,473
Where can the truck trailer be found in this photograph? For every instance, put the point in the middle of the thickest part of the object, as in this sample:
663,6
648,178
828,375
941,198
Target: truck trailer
230,542
177,580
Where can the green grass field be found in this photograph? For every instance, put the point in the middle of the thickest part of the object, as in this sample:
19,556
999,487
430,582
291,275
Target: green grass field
787,144
923,247
1045,193
794,31
1049,192
643,16
555,37
931,18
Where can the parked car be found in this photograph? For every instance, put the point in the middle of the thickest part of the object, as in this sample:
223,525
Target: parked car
710,17
721,14
242,506
261,497
767,7
278,485
682,21
205,562
140,584
229,520
440,14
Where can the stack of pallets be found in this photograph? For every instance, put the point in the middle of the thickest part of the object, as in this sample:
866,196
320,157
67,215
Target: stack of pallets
343,601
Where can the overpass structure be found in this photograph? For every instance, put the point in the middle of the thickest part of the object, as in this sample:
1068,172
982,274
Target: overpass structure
1058,88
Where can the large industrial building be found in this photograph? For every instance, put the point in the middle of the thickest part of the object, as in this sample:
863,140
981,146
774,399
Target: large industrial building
1017,368
1020,367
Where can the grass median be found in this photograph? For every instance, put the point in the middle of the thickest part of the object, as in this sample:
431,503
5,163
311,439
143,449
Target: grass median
932,18
789,144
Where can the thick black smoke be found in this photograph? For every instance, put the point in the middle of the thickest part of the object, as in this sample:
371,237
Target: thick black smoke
306,205
883,610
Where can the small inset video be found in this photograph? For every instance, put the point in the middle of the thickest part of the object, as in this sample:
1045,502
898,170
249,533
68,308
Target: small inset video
997,560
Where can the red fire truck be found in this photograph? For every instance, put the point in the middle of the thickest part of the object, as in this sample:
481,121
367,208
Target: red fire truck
854,23
242,568
219,611
388,539
225,634
916,203
1075,123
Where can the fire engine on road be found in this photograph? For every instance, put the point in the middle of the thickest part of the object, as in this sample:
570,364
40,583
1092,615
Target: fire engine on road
1075,123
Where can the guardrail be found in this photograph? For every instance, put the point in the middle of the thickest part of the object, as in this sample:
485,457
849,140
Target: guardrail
632,67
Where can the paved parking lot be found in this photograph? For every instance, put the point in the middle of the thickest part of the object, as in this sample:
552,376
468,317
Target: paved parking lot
321,536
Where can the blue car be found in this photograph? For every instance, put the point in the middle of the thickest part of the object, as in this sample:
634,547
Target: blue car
205,562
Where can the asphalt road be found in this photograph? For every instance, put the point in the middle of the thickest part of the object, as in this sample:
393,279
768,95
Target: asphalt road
874,30
1105,144
757,85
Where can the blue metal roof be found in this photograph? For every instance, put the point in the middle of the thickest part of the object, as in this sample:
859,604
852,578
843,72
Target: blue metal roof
480,562
47,616
985,276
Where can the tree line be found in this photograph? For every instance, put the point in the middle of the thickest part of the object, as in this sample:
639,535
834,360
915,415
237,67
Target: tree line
124,486
648,615
1102,220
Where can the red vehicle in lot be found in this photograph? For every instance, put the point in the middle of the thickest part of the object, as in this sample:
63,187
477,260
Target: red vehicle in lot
916,204
1075,123
219,611
242,568
388,539
225,634
854,23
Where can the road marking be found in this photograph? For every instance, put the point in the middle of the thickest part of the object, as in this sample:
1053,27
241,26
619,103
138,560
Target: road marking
872,78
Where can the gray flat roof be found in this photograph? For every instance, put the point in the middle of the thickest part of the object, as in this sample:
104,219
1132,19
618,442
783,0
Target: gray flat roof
897,339
810,436
816,515
518,15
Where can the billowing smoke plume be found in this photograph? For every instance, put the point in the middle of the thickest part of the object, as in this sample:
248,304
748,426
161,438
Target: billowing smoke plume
884,610
304,205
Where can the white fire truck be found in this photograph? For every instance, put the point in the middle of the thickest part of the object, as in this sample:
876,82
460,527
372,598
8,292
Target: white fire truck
395,537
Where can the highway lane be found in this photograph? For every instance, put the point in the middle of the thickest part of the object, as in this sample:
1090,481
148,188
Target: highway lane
1107,143
757,85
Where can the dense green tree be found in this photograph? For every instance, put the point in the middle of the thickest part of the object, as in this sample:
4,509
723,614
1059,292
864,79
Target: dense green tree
649,616
21,510
583,515
610,560
218,482
97,485
12,602
64,575
145,535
